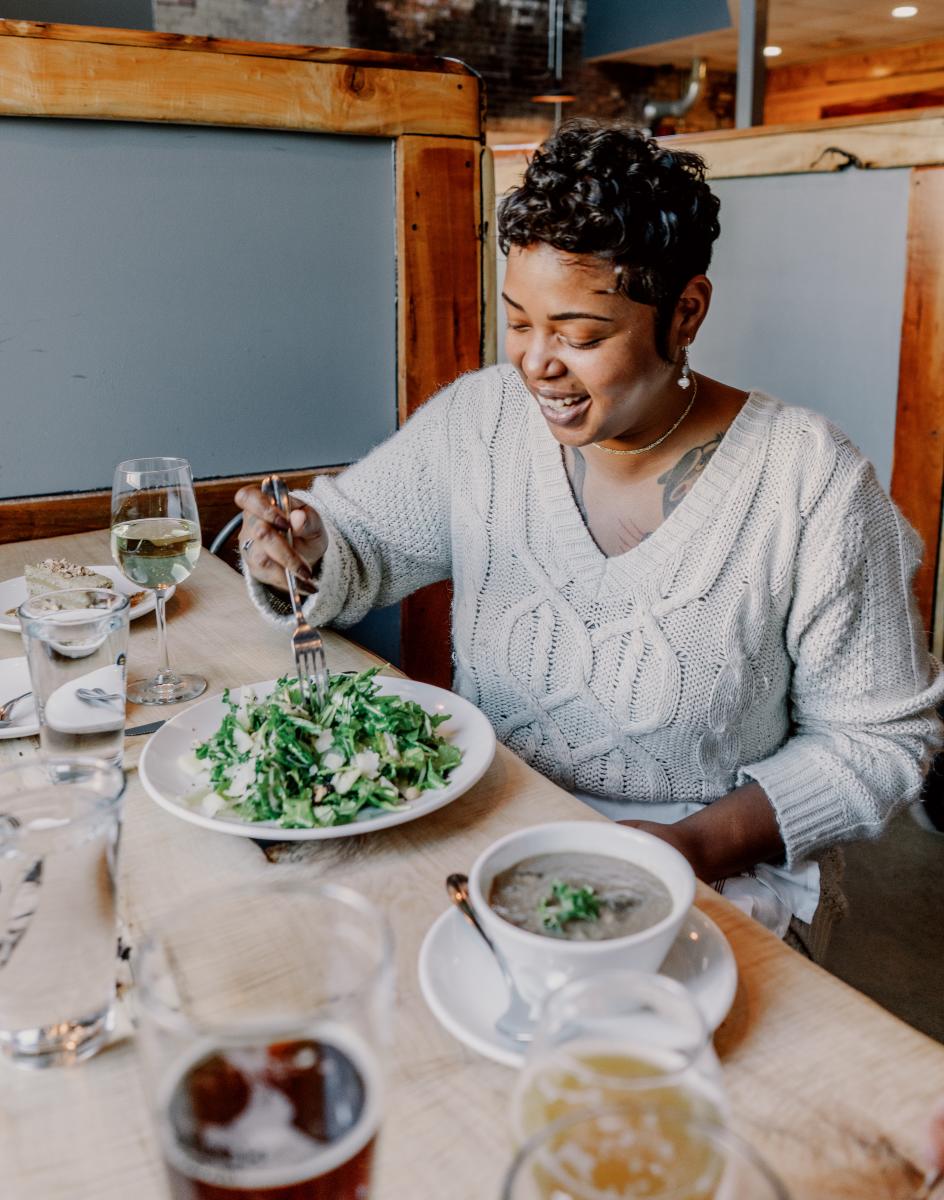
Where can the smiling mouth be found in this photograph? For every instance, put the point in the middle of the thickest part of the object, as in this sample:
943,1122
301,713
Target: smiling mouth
559,403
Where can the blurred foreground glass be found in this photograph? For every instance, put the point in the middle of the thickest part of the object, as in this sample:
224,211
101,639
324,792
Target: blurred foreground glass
619,1037
76,645
620,1153
264,1013
58,930
155,542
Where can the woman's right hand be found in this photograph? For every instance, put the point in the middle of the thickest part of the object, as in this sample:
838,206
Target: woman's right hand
264,528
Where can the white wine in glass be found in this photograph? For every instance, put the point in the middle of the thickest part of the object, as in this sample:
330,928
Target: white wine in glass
155,542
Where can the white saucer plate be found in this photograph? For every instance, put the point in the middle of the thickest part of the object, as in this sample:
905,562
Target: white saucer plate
15,679
168,782
461,983
13,593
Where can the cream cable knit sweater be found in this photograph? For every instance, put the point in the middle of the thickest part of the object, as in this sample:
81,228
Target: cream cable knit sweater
766,630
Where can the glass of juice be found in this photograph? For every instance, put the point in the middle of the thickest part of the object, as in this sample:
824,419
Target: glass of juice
618,1037
265,1010
621,1154
155,542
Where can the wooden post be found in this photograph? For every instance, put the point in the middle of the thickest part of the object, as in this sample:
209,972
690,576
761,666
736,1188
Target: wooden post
440,239
752,70
918,467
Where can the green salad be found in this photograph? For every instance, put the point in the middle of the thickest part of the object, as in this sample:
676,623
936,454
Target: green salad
275,759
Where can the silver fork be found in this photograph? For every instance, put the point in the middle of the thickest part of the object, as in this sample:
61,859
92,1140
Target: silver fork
6,710
311,665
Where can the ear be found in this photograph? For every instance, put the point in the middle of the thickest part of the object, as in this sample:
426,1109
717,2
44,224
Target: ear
690,311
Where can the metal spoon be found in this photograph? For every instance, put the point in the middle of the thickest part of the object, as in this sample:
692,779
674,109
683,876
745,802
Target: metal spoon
6,710
516,1021
97,695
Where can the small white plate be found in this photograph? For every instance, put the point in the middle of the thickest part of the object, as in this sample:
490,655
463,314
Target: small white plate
14,679
168,782
66,713
13,593
463,987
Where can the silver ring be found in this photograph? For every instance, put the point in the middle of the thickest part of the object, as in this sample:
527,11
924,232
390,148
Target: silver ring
247,545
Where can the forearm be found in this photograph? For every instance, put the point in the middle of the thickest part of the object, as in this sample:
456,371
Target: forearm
726,837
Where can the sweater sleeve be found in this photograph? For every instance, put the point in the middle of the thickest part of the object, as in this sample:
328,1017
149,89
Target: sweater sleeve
388,523
865,691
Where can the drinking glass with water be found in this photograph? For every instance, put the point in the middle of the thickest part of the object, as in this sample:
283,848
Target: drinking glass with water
76,646
58,925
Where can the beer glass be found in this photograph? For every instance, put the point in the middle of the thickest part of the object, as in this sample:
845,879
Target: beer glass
619,1037
621,1154
264,1013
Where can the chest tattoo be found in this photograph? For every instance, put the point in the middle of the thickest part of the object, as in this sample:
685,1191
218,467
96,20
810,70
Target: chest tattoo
676,483
679,480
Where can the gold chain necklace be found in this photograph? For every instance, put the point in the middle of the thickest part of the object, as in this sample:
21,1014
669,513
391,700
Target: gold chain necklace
668,432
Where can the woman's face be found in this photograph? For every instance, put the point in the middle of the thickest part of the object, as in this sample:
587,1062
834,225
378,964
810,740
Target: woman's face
587,354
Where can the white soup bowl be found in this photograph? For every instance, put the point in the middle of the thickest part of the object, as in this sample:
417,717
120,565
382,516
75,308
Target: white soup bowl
540,963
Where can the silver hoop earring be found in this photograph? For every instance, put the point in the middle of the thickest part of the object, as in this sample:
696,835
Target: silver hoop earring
685,376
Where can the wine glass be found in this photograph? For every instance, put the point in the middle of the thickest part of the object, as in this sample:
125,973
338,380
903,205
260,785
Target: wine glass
155,541
622,1154
618,1037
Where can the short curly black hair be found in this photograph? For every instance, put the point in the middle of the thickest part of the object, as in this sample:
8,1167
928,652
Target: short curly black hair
609,190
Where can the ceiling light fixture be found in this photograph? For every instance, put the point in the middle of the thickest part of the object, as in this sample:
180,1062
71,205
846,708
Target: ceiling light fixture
905,10
773,51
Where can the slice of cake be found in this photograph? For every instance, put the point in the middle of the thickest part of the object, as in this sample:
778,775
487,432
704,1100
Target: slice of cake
58,575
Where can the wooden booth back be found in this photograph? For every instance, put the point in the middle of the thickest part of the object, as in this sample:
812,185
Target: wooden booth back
263,257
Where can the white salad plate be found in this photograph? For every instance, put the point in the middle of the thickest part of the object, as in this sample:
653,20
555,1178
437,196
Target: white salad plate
167,780
13,593
15,679
463,987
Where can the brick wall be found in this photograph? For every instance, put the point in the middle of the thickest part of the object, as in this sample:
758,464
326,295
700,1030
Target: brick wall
504,40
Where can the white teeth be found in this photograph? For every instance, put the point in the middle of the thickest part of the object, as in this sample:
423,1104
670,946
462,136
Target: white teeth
560,405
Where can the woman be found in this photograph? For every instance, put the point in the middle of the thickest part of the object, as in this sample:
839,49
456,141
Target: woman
689,604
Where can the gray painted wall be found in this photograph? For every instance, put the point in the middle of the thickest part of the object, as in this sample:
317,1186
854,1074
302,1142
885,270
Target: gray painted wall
122,14
228,295
809,276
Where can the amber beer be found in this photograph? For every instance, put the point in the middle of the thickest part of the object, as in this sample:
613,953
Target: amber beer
290,1120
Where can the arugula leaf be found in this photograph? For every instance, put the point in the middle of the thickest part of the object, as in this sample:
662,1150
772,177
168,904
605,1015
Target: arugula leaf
279,760
566,903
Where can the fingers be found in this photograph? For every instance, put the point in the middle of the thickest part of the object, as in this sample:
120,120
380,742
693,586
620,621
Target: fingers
269,554
270,546
254,504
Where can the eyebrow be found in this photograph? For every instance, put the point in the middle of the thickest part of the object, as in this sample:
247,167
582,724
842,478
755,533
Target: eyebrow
564,316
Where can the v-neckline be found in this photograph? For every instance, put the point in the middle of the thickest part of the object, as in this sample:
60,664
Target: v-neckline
582,554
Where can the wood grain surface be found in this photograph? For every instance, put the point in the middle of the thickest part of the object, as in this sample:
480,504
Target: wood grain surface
918,465
31,517
159,40
830,1088
49,76
440,323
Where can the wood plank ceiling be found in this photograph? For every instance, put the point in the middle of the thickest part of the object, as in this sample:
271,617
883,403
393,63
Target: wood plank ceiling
806,30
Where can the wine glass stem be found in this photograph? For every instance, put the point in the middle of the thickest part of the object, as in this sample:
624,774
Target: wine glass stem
164,673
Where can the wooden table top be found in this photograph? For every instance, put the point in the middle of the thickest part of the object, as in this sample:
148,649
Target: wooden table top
830,1088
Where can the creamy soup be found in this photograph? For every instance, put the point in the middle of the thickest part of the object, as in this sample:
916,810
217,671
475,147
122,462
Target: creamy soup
550,894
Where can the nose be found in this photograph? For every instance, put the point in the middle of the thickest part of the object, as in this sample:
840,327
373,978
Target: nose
539,359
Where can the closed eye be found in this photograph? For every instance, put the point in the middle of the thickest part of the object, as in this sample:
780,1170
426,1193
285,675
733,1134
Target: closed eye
582,345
